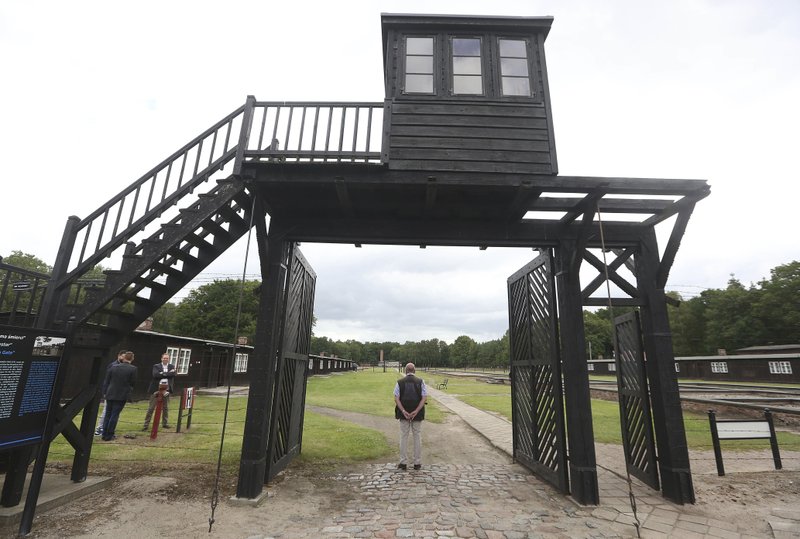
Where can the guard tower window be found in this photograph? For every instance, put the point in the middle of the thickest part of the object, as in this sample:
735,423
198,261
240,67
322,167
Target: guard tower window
514,73
419,65
467,72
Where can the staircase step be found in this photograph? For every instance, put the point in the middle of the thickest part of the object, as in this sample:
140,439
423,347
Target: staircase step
198,241
114,312
151,284
179,253
169,271
214,228
133,298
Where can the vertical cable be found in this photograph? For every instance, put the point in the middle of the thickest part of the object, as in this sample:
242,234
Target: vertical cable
631,496
215,491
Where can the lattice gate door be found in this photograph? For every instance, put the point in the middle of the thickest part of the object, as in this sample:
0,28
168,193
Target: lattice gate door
286,430
537,404
634,401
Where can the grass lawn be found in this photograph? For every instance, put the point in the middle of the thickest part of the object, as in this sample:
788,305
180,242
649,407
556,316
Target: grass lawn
605,415
325,439
369,392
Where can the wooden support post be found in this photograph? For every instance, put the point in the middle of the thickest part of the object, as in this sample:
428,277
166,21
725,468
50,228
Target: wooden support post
80,462
53,296
18,460
582,460
244,135
271,250
673,453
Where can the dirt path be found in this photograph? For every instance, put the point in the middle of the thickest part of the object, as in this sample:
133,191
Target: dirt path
450,442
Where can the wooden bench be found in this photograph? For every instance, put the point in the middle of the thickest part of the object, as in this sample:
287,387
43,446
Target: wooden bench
442,385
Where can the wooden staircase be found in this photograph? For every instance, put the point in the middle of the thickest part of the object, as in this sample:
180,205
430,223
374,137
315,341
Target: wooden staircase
160,233
162,264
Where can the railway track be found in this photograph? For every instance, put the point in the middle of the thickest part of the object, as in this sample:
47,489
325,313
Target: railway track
779,399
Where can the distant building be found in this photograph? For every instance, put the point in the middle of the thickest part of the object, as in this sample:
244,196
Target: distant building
770,349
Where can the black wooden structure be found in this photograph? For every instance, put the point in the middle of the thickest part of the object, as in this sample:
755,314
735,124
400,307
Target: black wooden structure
461,152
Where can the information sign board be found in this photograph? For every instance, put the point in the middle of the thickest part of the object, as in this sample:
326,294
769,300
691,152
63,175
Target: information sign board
29,363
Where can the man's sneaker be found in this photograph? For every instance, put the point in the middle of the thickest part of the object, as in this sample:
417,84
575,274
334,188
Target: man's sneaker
402,466
166,427
144,429
417,466
98,431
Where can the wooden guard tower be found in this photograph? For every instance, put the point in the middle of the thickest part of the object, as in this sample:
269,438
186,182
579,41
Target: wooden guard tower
461,152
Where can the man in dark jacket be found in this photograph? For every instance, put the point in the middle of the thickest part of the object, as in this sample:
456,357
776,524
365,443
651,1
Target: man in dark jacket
117,388
410,395
99,430
164,370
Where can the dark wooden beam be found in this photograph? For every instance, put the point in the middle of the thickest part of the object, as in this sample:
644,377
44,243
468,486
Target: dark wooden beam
586,205
615,302
673,453
523,199
430,195
673,243
624,285
261,370
577,399
528,233
379,174
622,256
608,205
344,198
681,205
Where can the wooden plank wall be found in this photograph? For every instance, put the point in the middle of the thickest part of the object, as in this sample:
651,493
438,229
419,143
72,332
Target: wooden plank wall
469,136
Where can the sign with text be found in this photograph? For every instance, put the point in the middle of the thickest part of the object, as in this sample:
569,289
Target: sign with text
29,363
188,398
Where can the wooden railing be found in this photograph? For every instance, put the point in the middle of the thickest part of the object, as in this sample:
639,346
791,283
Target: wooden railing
299,132
107,228
316,132
21,294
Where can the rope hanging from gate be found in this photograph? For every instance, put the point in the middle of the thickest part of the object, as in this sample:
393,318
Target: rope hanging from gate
215,491
631,495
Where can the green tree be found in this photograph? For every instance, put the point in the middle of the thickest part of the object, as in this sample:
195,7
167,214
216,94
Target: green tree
428,353
730,320
598,333
163,318
209,312
27,261
462,351
688,324
21,300
777,305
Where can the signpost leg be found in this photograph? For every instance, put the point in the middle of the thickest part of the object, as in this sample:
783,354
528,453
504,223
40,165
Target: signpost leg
180,416
773,440
18,461
712,421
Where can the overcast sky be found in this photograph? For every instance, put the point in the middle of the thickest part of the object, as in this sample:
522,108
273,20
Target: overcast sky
94,94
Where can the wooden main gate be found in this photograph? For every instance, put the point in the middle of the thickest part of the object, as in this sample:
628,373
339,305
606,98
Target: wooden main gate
286,432
634,400
539,436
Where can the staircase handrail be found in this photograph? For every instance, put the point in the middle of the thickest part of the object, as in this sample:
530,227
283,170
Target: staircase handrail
119,237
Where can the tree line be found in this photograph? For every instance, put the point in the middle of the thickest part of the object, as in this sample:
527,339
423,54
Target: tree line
737,316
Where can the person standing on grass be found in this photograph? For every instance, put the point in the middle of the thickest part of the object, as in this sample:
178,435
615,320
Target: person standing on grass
117,388
410,395
162,374
99,430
